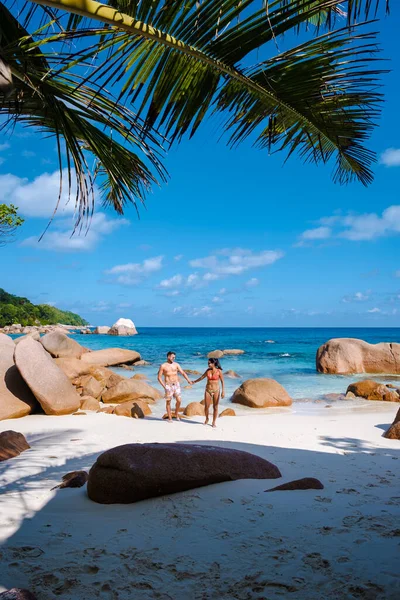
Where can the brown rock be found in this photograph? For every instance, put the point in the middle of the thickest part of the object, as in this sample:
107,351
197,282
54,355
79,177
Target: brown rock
48,382
34,335
72,367
12,444
261,393
107,377
232,374
228,412
60,345
233,352
142,363
109,410
110,356
89,403
139,376
92,387
215,354
130,389
102,330
393,433
138,409
372,390
78,414
75,479
134,472
16,399
17,594
122,330
194,409
306,483
192,372
350,355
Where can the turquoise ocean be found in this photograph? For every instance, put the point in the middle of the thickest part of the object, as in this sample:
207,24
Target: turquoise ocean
284,354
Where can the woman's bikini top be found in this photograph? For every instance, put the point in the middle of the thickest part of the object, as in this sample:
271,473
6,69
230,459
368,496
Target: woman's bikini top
212,377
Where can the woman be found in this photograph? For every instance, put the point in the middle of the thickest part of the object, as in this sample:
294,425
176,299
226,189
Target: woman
214,378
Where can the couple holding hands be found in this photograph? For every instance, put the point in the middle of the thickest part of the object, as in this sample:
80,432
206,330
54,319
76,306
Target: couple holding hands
168,377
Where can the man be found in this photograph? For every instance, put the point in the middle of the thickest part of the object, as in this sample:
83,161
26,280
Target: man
169,371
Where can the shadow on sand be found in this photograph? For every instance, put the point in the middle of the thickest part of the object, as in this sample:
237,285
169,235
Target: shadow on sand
226,541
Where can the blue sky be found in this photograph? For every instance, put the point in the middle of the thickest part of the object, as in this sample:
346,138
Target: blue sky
235,238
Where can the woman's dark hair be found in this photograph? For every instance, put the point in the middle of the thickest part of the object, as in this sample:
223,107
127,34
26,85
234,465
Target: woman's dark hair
215,362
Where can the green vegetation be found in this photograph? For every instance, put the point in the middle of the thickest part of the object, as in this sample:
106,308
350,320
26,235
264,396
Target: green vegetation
9,222
14,309
117,82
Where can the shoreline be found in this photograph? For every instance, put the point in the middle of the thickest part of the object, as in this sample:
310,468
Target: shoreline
59,543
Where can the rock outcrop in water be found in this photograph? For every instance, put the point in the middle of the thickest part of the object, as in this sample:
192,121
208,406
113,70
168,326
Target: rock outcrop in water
350,355
373,390
123,327
261,393
134,472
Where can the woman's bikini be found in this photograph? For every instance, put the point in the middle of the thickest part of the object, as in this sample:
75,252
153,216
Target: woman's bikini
209,387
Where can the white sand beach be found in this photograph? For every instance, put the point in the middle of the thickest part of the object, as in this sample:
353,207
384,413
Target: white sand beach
230,540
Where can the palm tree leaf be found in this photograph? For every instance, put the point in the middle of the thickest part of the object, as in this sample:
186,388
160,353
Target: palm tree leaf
85,120
316,112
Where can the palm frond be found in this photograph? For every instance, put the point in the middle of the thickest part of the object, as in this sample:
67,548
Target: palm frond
86,121
319,99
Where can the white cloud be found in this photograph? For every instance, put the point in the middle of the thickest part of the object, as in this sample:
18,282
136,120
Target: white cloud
38,198
174,281
62,240
368,226
217,300
192,280
318,233
178,257
134,273
177,309
357,297
236,261
391,157
4,146
172,293
210,277
374,310
253,282
204,311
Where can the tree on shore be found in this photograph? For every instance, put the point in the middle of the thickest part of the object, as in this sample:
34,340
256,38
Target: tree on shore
118,82
9,222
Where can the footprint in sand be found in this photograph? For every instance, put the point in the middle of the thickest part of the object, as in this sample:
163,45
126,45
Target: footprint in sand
316,562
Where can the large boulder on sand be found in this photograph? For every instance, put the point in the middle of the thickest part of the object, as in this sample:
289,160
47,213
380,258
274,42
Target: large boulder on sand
261,393
72,367
16,399
372,390
138,409
194,409
393,433
123,327
12,444
89,403
48,382
228,412
60,345
134,472
110,356
350,355
130,389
